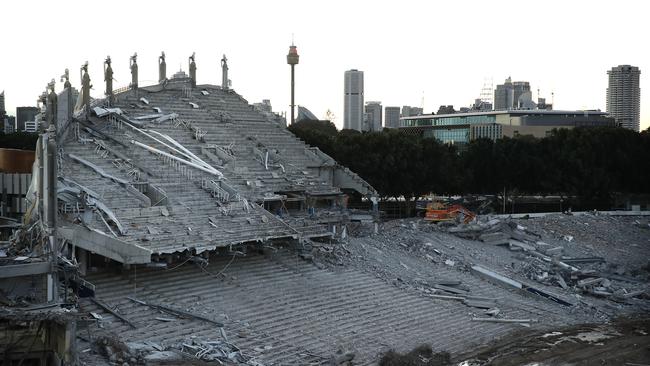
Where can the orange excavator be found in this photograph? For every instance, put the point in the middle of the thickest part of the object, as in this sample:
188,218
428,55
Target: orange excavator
437,211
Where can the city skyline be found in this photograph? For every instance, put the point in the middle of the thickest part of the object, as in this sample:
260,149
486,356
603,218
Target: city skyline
423,62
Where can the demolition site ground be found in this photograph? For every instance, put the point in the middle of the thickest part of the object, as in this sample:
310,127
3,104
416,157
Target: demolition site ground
553,290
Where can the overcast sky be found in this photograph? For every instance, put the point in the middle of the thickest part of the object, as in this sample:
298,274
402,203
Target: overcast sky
418,53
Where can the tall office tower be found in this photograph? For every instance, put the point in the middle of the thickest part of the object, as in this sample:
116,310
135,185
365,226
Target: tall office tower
353,100
408,111
507,95
503,96
391,117
521,94
9,124
3,111
375,119
624,96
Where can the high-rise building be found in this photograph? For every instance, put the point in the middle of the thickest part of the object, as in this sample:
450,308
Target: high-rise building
25,114
3,115
353,102
3,111
408,111
391,117
375,120
522,94
624,96
9,124
503,96
507,95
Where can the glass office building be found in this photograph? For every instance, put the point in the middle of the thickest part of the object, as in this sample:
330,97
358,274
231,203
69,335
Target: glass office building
461,128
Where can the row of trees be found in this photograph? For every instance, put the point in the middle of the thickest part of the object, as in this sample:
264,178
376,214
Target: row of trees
18,140
583,162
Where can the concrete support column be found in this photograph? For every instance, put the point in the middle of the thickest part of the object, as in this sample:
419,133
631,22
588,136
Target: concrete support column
82,259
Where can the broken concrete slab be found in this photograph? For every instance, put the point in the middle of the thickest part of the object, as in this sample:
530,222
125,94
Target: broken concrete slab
498,238
510,283
495,277
522,236
107,308
522,245
498,320
584,260
479,304
176,311
492,312
445,282
452,290
553,252
163,356
590,282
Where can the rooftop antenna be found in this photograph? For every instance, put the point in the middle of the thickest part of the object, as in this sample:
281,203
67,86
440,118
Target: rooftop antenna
553,99
422,101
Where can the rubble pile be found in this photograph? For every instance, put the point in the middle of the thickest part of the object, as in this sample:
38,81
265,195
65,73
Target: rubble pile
25,241
217,350
549,264
559,258
115,351
191,349
485,278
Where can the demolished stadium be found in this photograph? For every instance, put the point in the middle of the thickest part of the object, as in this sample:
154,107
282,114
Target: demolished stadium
176,224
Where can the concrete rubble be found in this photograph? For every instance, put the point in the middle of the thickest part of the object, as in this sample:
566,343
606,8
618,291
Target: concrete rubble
305,309
531,256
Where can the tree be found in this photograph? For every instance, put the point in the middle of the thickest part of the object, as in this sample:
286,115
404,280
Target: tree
18,140
585,162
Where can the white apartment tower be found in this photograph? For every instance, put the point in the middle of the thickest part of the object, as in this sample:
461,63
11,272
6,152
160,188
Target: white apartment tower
624,96
353,100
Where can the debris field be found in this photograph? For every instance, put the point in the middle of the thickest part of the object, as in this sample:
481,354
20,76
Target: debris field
453,287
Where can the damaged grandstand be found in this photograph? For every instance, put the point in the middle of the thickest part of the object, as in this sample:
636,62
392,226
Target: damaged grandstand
161,174
183,168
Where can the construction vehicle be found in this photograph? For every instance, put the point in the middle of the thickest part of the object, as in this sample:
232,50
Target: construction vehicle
438,211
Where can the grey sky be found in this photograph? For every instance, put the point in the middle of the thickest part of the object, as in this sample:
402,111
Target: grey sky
409,50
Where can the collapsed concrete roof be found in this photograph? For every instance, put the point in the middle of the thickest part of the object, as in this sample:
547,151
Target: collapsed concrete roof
172,168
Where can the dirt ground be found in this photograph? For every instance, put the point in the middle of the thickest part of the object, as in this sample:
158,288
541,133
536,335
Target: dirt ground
621,342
